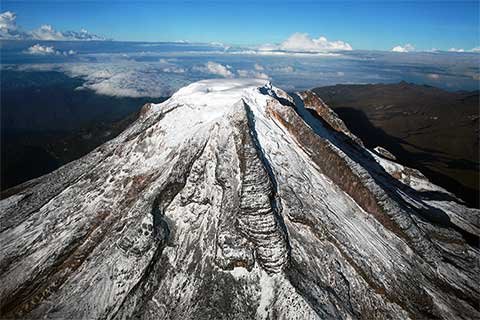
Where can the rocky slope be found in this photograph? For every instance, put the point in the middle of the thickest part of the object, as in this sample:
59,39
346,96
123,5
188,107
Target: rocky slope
234,200
433,130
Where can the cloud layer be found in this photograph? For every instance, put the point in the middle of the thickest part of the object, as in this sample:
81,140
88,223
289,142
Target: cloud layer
131,69
10,31
301,42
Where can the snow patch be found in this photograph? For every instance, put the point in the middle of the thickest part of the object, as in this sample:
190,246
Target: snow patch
267,295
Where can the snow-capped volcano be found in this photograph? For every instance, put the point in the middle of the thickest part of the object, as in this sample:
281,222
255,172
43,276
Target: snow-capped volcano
235,200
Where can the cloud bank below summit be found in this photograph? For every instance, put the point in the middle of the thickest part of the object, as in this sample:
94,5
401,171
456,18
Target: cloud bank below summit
124,78
134,72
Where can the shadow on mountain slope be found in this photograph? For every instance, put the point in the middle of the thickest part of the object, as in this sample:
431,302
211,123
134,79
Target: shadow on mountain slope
426,128
423,160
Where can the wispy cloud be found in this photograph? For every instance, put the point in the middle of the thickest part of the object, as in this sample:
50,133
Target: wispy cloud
174,69
476,49
302,42
168,67
252,74
127,80
285,69
9,30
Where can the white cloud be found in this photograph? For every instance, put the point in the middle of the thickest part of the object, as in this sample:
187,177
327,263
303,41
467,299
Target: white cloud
301,42
82,35
41,50
10,31
169,67
46,32
217,44
119,78
215,68
455,50
7,21
126,80
258,67
405,48
227,71
271,50
252,74
8,27
38,49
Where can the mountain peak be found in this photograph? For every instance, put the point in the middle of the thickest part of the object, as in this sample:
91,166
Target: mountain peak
216,93
233,198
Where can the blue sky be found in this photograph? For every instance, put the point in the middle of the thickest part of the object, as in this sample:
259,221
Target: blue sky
364,25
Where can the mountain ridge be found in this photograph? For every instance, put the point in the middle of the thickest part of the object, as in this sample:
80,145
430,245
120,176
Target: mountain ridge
425,127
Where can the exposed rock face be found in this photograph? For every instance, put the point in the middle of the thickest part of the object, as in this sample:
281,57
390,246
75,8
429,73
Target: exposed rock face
314,103
384,153
233,200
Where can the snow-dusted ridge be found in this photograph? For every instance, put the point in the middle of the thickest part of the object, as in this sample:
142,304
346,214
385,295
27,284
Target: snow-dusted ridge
233,199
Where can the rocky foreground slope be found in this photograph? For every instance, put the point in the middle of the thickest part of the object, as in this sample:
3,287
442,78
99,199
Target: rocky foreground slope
234,200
